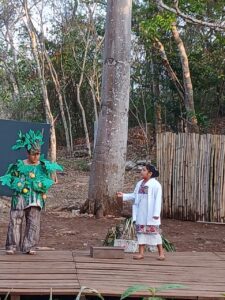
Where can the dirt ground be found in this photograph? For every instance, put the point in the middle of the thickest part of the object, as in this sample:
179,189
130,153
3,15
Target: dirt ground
63,228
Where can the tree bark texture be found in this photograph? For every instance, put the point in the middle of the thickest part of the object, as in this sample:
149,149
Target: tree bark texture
108,167
188,88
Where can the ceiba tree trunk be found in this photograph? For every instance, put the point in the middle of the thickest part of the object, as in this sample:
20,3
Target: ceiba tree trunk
108,167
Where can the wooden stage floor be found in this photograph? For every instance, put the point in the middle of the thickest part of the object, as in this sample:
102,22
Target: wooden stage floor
203,274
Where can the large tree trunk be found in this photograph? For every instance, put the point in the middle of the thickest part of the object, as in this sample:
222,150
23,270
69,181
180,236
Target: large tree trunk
188,89
108,167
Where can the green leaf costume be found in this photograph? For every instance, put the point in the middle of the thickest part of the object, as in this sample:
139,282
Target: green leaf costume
30,182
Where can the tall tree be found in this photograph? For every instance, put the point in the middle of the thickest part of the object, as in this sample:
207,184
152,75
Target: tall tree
39,59
108,167
188,88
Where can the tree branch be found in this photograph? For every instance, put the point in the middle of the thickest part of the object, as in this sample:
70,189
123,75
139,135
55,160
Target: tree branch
218,26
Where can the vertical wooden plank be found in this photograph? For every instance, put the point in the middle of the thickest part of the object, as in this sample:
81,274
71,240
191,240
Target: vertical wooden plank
172,168
207,176
222,199
174,200
179,177
166,170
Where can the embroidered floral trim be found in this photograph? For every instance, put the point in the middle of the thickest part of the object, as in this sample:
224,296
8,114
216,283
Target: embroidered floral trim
150,229
143,188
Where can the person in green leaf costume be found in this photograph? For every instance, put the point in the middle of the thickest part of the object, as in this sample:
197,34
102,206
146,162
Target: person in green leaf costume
30,179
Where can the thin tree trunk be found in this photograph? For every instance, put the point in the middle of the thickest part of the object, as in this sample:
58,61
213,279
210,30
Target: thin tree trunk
188,88
40,70
66,105
179,87
158,117
15,87
60,97
108,167
12,71
70,126
93,79
88,144
93,98
156,95
78,87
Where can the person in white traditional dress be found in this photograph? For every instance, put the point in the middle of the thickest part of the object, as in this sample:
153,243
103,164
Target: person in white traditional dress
147,201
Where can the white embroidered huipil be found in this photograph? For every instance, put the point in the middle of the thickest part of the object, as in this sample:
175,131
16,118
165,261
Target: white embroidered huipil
147,200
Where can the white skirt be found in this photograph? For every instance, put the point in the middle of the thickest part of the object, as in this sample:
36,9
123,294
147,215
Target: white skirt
149,239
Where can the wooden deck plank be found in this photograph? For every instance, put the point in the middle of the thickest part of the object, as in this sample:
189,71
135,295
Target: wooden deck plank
65,272
202,273
37,271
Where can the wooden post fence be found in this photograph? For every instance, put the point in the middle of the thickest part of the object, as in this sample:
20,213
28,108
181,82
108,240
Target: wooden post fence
192,173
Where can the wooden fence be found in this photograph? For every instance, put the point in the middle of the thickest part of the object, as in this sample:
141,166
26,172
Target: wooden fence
192,173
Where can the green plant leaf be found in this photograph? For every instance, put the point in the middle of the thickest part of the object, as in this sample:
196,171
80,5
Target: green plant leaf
7,295
50,298
133,289
84,288
169,286
169,247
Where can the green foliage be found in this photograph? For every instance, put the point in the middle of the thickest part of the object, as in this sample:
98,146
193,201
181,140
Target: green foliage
126,230
89,291
65,43
203,120
205,50
167,245
152,290
134,289
157,25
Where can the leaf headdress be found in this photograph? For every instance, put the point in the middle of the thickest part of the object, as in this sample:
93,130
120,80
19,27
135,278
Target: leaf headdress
30,140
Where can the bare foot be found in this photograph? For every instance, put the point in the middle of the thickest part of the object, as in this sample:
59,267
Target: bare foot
31,252
137,257
10,252
161,258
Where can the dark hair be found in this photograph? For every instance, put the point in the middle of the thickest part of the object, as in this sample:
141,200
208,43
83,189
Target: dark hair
33,151
152,169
